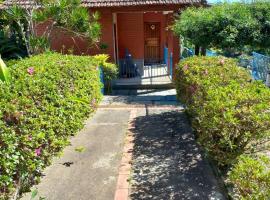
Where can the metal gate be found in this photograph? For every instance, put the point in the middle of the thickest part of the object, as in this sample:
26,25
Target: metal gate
150,73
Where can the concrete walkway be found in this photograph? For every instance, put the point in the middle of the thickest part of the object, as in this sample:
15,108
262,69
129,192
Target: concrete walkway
166,161
88,168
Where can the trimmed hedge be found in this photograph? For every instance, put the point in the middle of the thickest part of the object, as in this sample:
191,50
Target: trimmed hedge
110,70
251,178
229,112
46,101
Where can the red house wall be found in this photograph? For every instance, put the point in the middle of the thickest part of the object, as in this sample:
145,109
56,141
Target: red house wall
106,21
131,34
62,41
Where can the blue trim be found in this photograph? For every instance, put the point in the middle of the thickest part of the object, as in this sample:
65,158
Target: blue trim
211,53
101,76
166,55
171,64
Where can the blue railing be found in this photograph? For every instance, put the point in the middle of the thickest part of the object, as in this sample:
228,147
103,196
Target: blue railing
211,53
186,53
260,66
165,55
168,60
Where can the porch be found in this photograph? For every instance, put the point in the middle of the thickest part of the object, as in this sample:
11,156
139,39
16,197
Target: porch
145,49
155,76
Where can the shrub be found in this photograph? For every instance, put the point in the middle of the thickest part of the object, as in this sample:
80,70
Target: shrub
198,74
251,178
110,70
47,100
229,113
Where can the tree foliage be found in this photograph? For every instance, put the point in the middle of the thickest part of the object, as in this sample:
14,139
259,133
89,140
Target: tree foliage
231,27
65,14
71,16
261,12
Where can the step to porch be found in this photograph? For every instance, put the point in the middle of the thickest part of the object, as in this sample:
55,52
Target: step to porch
143,86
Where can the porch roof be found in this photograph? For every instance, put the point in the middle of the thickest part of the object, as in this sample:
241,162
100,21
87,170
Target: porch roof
118,3
105,3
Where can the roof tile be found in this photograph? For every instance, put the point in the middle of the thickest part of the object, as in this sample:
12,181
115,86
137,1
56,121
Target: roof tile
115,3
105,3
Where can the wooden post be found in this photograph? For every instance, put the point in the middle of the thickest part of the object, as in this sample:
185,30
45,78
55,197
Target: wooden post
203,51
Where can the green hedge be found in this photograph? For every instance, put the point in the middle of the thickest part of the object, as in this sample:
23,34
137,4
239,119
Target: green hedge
110,70
251,178
47,100
229,112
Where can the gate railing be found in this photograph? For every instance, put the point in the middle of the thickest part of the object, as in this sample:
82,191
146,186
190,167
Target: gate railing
155,71
130,69
168,60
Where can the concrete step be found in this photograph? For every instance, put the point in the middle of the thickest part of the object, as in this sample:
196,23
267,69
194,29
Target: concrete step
142,86
150,94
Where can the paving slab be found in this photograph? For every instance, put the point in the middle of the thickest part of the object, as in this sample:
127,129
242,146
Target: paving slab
142,97
167,162
92,173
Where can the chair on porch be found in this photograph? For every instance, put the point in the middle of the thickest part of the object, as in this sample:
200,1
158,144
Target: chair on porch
129,69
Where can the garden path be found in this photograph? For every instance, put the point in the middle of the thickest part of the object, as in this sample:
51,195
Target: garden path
166,161
88,168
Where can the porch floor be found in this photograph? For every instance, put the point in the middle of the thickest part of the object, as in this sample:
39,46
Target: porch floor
152,75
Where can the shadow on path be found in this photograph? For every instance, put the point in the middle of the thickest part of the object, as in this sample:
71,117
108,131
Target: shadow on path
167,162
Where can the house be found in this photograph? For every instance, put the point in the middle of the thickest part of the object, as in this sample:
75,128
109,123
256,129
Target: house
139,27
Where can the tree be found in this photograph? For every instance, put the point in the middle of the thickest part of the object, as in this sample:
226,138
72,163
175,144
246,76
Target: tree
261,12
19,21
230,27
11,43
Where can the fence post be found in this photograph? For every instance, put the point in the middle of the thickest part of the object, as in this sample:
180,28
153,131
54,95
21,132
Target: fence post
101,76
166,56
267,83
